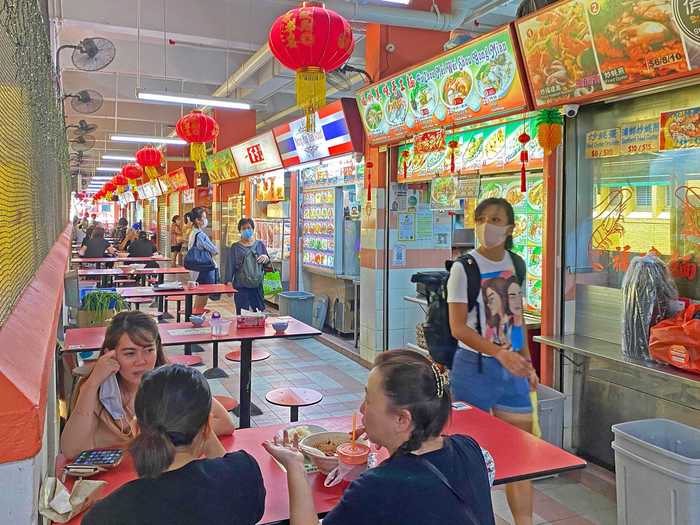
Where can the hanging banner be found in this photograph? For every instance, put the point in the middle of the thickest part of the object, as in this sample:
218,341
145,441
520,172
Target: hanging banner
477,81
680,129
177,180
602,143
582,50
491,149
639,137
221,167
257,155
429,142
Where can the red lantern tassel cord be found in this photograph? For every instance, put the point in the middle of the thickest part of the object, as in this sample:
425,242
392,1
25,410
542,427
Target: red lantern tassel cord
524,138
453,146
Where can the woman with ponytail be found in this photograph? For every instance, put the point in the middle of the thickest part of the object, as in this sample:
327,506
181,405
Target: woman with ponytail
429,479
175,486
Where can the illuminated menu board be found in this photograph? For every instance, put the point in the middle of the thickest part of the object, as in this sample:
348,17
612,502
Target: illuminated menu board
257,155
477,81
220,166
582,50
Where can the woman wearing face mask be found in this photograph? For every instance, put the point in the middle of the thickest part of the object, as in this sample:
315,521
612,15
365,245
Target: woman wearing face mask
245,268
102,413
198,238
491,368
175,485
429,479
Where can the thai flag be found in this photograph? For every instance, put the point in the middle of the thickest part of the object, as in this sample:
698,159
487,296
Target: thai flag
335,133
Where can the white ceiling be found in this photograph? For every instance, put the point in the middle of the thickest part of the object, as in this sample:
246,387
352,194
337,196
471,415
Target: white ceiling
192,47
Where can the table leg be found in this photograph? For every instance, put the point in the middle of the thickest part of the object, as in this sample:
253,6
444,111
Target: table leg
188,312
356,324
215,372
294,414
245,407
163,304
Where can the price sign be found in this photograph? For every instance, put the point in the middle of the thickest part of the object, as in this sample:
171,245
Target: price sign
603,143
639,137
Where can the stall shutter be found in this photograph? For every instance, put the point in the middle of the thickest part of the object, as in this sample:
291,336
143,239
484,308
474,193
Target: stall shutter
163,225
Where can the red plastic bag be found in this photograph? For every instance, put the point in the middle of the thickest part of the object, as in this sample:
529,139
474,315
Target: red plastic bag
676,341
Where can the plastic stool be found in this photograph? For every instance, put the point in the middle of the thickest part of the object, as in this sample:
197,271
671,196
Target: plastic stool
187,360
137,301
174,299
227,402
293,398
257,355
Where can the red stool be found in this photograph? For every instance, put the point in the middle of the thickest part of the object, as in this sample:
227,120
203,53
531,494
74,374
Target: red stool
227,402
293,398
257,355
125,282
174,299
137,301
187,360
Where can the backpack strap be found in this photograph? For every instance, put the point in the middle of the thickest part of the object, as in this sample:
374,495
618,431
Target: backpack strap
519,265
471,268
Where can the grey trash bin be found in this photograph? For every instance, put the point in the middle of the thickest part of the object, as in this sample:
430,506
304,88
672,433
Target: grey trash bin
657,464
298,305
551,414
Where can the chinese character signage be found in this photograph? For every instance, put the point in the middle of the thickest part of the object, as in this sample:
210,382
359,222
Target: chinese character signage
602,143
477,81
491,149
639,137
680,129
177,180
429,142
584,49
338,131
220,166
257,155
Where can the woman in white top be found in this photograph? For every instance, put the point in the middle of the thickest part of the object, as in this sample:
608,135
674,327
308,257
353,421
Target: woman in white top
198,238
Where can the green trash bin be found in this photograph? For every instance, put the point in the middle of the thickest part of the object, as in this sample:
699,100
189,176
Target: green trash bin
299,305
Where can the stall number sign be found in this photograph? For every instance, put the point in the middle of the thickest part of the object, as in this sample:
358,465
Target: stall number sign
257,155
603,143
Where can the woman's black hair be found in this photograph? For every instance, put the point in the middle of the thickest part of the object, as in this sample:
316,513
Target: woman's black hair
143,236
175,218
98,233
123,222
141,329
505,206
411,383
172,406
195,214
245,221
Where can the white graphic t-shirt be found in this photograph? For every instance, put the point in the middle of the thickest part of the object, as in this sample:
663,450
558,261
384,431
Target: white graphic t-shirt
499,304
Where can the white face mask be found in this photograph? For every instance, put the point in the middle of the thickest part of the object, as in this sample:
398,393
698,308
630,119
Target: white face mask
205,222
111,397
491,235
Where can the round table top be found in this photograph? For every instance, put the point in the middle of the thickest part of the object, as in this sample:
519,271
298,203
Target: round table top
187,360
256,355
294,397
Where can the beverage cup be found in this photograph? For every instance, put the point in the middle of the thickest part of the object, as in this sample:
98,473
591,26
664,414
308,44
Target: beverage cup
192,284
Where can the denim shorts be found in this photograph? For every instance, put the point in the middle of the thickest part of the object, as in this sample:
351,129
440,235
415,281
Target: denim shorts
207,277
492,388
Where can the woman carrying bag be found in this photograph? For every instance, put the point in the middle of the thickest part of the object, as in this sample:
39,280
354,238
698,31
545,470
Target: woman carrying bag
200,255
245,268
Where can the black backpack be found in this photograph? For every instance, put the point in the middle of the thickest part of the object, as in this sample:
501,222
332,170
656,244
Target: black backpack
438,336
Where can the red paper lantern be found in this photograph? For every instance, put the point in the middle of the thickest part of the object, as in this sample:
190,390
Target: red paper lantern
133,174
120,182
150,159
197,128
109,188
312,41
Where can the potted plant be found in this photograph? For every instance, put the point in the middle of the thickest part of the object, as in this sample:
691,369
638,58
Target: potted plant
98,306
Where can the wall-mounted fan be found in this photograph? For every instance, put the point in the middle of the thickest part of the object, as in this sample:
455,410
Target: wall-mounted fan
85,101
340,79
80,129
92,54
82,143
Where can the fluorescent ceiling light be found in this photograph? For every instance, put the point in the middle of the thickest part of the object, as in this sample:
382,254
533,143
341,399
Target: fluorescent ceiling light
119,157
108,168
146,140
403,2
193,100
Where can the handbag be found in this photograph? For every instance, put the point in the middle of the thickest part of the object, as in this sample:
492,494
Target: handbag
198,259
272,283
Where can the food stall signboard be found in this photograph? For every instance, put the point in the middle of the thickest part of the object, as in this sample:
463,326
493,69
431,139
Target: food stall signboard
257,155
220,166
680,129
491,149
338,131
177,180
581,50
639,137
477,81
603,143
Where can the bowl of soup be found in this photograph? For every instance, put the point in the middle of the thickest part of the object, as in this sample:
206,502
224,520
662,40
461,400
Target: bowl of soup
327,444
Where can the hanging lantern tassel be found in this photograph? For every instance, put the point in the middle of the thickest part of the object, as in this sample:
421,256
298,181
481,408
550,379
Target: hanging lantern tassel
405,155
368,180
311,93
453,145
198,152
152,171
524,138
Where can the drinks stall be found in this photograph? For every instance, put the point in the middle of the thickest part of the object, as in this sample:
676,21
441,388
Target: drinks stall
326,167
631,188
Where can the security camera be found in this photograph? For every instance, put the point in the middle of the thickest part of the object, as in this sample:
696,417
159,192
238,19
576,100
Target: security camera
390,48
571,110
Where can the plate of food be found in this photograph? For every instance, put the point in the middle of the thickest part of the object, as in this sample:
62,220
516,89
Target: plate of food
423,100
490,190
374,116
396,108
495,144
444,192
473,150
520,230
494,78
514,196
456,89
535,196
321,448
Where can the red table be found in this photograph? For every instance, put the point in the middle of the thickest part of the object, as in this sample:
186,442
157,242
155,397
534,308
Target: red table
128,270
517,455
87,339
99,261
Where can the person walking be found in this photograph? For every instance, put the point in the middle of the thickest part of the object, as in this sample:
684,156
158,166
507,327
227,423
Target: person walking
245,269
200,240
176,239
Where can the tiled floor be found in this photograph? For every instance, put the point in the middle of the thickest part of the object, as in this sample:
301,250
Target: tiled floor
309,363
